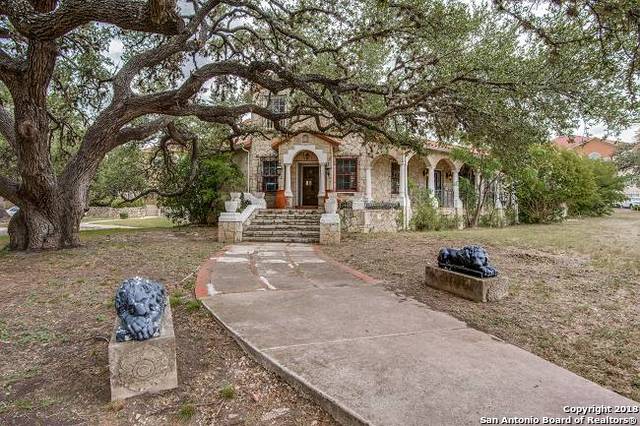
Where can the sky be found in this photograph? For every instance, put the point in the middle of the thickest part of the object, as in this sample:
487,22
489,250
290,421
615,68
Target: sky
628,135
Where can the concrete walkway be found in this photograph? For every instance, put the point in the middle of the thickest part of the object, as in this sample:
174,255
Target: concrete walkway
369,356
85,227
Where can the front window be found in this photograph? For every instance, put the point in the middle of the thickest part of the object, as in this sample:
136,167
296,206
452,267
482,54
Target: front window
395,178
269,175
346,174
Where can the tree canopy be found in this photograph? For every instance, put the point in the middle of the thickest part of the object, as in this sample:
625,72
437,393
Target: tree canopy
397,72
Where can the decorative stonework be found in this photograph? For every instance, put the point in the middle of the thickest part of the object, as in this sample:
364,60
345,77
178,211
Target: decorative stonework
367,221
147,366
143,368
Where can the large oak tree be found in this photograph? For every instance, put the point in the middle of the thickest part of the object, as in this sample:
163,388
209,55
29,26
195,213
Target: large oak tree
395,71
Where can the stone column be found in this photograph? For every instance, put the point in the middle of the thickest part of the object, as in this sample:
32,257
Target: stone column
404,196
367,178
321,184
403,179
287,184
431,184
457,203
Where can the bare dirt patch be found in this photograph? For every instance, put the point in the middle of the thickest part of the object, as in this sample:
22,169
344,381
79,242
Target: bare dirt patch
56,316
574,289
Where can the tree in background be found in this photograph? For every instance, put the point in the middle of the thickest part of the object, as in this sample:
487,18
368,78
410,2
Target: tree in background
121,174
474,194
396,72
553,182
627,159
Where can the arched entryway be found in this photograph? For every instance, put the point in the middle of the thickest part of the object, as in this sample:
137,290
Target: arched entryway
305,179
443,183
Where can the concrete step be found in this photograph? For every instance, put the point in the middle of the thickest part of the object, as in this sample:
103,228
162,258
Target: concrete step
287,216
281,233
283,226
277,239
258,221
289,211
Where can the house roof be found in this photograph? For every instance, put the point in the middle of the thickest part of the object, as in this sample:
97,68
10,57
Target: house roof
279,141
573,142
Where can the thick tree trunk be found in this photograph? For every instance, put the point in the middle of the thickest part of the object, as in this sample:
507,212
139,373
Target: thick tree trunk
57,226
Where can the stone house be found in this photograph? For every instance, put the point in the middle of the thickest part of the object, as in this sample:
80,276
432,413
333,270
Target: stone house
372,184
312,165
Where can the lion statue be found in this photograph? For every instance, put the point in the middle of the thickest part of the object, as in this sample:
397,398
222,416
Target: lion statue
140,304
470,260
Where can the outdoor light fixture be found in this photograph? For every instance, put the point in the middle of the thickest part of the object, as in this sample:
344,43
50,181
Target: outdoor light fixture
278,169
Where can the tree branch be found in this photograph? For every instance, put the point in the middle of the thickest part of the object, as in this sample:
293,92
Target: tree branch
9,189
154,16
140,132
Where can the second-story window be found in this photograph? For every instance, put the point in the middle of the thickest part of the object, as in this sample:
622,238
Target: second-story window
277,105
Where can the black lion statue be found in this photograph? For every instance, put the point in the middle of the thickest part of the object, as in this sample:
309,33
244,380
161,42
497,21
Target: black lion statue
140,304
470,260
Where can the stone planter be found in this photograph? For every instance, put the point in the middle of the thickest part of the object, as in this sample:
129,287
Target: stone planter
235,196
231,206
331,206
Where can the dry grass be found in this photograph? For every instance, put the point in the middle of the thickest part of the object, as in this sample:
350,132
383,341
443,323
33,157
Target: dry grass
56,316
574,288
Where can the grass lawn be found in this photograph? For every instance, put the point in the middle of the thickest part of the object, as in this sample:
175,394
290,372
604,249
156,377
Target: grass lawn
574,288
57,315
151,222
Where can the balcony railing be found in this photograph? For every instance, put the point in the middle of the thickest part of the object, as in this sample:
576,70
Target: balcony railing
444,197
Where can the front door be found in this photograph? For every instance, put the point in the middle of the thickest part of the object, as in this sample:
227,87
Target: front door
310,185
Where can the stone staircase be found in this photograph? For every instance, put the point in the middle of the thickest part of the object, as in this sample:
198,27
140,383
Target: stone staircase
286,225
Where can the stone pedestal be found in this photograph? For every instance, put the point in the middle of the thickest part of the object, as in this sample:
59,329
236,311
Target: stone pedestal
229,231
329,229
146,366
476,289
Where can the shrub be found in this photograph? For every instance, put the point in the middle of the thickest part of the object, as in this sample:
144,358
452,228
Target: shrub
204,198
552,178
425,216
124,215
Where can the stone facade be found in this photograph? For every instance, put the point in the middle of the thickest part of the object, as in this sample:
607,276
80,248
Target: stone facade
370,220
382,173
132,212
